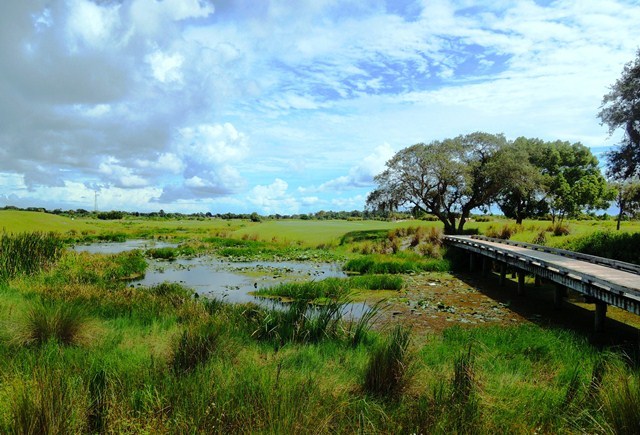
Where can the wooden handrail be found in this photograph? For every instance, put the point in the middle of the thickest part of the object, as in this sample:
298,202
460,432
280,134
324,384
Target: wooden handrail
620,265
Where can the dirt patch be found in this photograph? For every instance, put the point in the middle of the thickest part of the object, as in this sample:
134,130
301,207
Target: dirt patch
435,301
432,302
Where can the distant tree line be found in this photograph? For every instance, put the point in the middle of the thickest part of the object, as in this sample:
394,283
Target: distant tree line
254,216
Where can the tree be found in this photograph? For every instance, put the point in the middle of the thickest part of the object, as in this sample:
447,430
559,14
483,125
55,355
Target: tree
628,199
446,178
621,109
574,179
524,186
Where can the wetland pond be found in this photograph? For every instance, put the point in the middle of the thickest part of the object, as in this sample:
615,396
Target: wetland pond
230,281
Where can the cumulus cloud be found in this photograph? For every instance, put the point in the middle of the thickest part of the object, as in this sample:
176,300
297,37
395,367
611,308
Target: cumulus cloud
360,175
273,198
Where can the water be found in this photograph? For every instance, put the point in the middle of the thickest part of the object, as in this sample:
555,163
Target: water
116,247
230,281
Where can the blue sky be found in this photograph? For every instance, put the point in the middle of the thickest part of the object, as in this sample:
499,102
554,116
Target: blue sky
279,106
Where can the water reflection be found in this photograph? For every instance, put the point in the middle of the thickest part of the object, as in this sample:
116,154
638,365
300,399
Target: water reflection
229,281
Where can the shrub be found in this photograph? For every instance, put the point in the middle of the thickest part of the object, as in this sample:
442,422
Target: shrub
560,229
540,238
387,370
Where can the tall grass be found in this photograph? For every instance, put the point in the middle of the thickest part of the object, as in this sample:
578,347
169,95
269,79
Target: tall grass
49,401
299,322
66,323
372,264
388,367
27,253
194,347
331,288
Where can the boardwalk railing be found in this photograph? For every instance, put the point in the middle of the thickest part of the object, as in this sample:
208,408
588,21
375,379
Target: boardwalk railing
619,265
600,280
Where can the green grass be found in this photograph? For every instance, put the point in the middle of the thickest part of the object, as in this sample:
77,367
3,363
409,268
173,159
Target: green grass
159,360
331,288
379,264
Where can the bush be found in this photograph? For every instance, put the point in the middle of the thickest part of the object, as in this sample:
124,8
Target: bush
560,229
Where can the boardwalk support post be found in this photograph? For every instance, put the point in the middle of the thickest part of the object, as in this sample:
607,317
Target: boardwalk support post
558,295
601,315
521,275
472,261
485,266
503,273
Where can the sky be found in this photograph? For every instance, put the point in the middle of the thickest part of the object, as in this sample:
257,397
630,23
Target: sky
280,106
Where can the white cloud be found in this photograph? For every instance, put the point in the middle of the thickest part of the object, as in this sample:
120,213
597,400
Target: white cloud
360,175
273,198
165,67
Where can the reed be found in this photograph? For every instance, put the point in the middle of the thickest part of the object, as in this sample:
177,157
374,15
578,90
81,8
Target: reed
386,372
27,253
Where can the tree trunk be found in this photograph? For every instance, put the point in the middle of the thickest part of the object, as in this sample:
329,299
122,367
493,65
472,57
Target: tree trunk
619,219
461,223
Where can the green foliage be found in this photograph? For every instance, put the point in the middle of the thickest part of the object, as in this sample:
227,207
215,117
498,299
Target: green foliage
110,215
608,244
27,253
621,109
387,372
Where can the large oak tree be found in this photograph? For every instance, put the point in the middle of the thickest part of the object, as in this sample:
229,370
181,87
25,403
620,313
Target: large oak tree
446,178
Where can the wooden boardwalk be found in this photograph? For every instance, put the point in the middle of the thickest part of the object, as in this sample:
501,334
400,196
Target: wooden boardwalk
602,281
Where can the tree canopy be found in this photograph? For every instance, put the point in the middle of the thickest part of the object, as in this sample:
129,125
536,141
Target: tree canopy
446,178
621,109
526,178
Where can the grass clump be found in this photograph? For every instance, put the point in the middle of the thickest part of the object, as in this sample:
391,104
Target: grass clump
162,253
194,347
49,401
387,371
299,322
64,322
